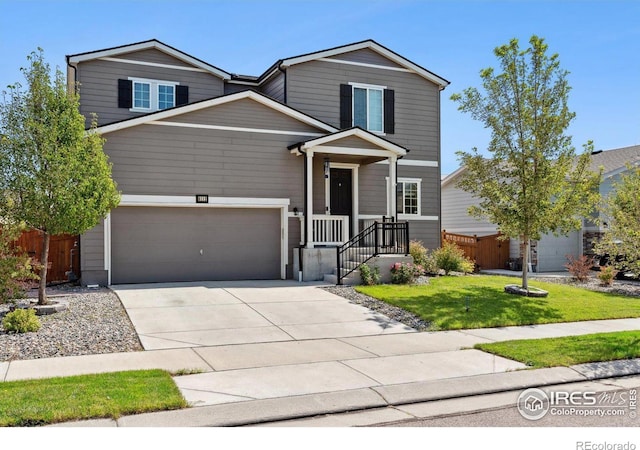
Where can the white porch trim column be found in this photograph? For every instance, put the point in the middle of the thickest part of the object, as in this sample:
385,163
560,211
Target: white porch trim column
393,207
309,206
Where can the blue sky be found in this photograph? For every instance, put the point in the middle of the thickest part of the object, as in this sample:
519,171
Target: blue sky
598,42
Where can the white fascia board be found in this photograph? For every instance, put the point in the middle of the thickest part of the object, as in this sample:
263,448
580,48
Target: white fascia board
160,115
373,139
190,200
354,151
378,49
148,45
412,162
453,175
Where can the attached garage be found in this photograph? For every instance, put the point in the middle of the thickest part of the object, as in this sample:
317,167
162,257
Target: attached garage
164,244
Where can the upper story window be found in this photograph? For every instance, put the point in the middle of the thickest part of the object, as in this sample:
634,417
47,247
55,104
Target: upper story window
144,95
152,95
408,196
367,106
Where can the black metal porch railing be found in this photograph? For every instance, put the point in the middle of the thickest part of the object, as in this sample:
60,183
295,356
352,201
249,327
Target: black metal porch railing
380,238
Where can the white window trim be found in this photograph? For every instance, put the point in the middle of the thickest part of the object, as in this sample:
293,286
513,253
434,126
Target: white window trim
153,93
418,181
368,87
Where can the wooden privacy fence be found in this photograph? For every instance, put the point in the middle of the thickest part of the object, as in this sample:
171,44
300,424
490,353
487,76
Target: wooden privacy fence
64,253
487,251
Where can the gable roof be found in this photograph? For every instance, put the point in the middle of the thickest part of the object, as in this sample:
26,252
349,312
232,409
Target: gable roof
191,107
353,131
372,45
615,161
612,162
146,45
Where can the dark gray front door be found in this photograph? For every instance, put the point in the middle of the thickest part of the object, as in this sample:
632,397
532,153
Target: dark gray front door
341,202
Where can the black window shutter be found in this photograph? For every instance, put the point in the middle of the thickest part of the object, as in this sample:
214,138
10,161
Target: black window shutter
125,93
346,113
389,111
182,95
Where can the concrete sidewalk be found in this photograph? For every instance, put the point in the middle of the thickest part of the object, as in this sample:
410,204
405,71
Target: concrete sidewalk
261,382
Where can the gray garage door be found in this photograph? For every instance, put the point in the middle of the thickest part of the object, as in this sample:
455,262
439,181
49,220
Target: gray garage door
150,244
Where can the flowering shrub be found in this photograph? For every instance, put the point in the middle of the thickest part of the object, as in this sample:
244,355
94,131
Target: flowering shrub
422,257
405,273
451,258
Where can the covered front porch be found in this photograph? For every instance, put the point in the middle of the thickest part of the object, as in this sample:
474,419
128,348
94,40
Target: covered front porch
332,198
331,184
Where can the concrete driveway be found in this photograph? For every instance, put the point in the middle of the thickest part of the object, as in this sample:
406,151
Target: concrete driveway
177,315
257,340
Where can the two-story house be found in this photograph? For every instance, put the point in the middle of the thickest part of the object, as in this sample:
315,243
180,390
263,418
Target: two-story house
227,176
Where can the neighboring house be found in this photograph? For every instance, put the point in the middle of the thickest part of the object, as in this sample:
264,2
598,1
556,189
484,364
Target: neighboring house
218,171
548,254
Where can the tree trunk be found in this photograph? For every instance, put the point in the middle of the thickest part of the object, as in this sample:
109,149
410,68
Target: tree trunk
525,263
44,259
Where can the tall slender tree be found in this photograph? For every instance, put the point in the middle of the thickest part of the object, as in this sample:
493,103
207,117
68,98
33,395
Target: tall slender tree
54,175
534,182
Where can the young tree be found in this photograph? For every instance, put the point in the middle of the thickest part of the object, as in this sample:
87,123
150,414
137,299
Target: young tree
54,176
622,211
533,183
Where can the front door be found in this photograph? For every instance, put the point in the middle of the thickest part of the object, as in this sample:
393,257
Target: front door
341,193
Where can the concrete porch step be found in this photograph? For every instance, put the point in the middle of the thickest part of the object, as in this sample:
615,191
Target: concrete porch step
351,280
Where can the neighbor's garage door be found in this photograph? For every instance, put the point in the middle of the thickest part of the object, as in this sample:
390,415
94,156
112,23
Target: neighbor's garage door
151,244
553,251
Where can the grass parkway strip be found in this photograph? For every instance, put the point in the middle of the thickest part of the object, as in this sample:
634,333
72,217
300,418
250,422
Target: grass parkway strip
568,351
109,395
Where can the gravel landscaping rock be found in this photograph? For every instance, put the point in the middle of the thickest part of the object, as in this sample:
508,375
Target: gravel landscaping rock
393,312
94,322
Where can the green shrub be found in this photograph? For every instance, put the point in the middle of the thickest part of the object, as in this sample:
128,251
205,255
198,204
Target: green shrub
607,275
369,277
451,258
422,257
16,268
405,273
21,321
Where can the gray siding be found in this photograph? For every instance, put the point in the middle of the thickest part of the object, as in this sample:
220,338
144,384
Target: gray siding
245,113
154,56
92,256
366,56
232,88
170,160
99,84
274,87
92,247
456,219
314,88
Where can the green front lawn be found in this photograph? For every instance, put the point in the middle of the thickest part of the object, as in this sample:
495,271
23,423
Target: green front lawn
568,351
109,395
443,302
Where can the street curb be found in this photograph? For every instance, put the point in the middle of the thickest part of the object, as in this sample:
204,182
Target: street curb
256,412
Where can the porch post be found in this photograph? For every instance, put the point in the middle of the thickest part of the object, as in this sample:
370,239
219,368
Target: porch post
392,188
309,207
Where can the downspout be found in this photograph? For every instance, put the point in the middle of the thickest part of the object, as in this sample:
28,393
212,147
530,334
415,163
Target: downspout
75,75
284,72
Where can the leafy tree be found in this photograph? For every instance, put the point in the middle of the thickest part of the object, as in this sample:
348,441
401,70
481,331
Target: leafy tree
54,176
622,211
533,183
